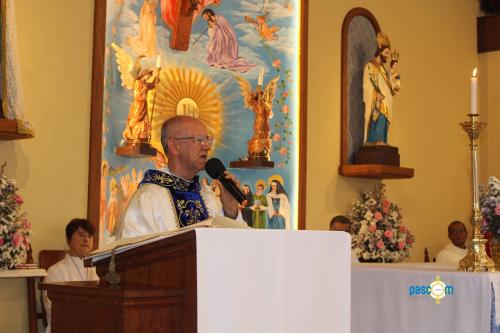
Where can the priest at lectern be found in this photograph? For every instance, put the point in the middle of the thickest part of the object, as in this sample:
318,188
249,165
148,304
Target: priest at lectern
174,199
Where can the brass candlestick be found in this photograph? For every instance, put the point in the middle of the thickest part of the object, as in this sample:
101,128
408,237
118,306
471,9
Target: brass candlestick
476,259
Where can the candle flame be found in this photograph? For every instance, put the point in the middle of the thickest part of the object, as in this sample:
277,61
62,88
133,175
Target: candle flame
474,72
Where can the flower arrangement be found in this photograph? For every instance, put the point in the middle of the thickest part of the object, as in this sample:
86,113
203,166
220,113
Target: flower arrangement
378,231
14,226
490,208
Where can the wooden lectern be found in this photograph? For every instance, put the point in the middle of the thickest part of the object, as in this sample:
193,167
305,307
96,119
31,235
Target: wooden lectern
216,280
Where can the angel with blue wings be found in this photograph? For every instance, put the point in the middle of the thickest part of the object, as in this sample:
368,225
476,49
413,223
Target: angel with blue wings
141,81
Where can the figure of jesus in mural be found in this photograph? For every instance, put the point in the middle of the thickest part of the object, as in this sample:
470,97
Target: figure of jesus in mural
381,81
179,15
222,46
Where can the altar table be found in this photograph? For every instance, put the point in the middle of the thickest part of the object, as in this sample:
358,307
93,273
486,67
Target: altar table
393,298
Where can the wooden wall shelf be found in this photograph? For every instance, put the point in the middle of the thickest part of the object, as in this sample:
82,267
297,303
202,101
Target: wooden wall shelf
8,130
376,171
488,30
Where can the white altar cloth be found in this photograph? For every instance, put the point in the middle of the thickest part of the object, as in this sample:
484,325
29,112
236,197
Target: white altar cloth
267,281
383,301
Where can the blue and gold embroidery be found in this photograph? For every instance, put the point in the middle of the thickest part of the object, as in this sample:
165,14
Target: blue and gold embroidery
188,202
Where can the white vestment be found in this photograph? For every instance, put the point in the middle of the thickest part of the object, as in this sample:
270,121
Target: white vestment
151,210
451,254
68,269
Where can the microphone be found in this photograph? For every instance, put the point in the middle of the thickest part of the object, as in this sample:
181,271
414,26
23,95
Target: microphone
215,169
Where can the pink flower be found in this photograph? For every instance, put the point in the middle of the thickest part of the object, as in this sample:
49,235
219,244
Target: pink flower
285,94
18,199
285,109
276,63
378,216
372,228
388,234
497,209
17,239
385,209
402,228
26,224
386,203
401,245
380,245
276,137
409,241
283,151
1,241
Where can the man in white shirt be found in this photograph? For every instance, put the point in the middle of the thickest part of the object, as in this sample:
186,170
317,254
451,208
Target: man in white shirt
456,250
79,233
174,199
342,223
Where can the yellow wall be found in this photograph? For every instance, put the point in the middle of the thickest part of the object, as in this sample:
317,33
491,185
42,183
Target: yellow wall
437,44
55,48
490,102
437,47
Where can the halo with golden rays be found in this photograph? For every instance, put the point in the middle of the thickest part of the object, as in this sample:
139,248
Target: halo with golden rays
260,182
185,91
276,177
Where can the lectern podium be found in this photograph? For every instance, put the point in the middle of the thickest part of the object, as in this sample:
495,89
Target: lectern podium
219,280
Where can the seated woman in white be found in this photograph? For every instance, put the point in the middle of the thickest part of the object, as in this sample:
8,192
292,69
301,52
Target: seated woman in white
79,236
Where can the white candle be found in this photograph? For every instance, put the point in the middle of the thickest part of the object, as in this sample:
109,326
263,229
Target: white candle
473,92
158,61
261,77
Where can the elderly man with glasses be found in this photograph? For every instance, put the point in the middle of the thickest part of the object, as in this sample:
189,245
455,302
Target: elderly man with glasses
175,198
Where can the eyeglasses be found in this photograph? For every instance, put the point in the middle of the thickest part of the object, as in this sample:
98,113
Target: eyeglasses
199,139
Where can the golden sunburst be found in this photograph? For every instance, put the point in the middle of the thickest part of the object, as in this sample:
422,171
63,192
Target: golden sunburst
185,91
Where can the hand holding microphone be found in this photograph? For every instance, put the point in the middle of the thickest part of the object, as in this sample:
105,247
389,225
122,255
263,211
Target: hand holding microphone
216,169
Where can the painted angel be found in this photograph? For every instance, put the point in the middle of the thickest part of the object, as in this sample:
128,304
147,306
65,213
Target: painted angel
261,103
115,206
145,42
141,81
266,32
